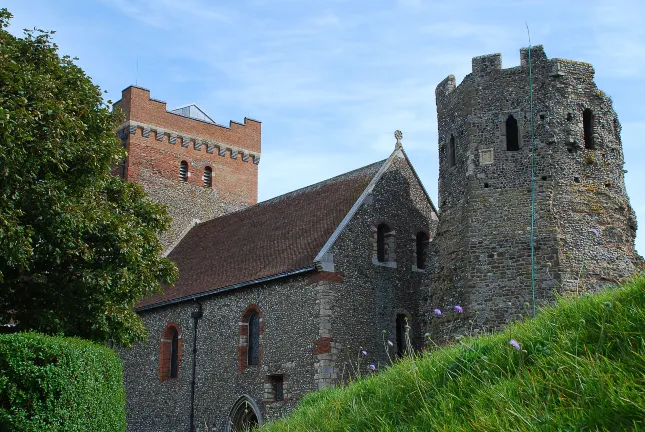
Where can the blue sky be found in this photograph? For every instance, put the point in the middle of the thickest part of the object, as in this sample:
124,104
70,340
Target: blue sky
332,79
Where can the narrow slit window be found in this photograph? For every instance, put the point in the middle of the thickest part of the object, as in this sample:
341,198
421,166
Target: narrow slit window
451,151
208,177
400,335
183,171
381,252
512,134
254,340
174,354
422,250
587,125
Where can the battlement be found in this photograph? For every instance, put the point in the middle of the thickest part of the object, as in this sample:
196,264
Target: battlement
142,111
490,65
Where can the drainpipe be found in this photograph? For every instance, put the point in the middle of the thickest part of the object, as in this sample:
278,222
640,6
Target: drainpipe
196,316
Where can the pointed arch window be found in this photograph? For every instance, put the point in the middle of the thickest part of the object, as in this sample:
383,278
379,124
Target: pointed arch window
451,151
512,134
587,125
208,177
183,171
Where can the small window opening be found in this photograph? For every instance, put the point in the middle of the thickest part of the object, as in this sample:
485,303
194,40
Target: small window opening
576,179
451,151
607,184
381,251
183,171
401,322
174,354
208,177
569,117
544,178
486,185
616,128
512,134
422,250
254,340
277,387
542,116
587,125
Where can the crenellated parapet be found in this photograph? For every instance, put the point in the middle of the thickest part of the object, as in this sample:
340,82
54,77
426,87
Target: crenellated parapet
196,143
490,66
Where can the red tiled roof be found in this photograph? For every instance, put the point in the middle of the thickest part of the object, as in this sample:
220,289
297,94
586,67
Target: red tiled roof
273,237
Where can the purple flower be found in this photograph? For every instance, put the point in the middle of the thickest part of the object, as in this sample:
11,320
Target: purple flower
389,342
515,344
595,231
437,312
364,352
459,309
372,367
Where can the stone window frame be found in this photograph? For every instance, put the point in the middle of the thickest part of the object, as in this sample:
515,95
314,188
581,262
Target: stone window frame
415,252
503,116
408,317
270,388
243,342
165,352
390,245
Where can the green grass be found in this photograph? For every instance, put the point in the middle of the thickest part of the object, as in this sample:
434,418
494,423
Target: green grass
581,367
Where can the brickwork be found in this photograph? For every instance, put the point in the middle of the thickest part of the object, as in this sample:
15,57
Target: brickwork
158,141
584,225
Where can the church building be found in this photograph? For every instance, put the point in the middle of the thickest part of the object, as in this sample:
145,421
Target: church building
306,290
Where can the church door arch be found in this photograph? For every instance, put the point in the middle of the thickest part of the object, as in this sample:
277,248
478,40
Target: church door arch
244,416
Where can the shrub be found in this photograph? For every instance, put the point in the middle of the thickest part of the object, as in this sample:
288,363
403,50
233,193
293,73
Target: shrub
50,383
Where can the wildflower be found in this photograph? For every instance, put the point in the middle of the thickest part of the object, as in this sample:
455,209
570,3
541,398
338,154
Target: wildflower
459,309
437,312
364,352
389,342
515,344
372,367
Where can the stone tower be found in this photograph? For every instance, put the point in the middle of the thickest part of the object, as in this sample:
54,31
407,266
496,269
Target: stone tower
584,225
183,159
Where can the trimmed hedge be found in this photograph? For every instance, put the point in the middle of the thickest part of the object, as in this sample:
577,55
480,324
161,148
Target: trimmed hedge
50,383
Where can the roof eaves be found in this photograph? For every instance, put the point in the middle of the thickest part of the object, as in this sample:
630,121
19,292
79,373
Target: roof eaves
225,289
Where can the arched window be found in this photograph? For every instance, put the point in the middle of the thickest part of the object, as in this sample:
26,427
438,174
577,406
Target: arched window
170,353
422,249
587,125
208,177
512,134
183,171
254,340
174,353
400,335
381,247
451,152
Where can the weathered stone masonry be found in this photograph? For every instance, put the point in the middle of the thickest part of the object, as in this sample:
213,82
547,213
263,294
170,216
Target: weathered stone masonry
584,225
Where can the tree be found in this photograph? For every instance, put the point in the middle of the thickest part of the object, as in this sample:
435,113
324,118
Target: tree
78,246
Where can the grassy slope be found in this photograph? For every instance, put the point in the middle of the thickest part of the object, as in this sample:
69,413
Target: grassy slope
581,367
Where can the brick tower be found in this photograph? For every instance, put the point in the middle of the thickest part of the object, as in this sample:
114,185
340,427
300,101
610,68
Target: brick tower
199,169
584,224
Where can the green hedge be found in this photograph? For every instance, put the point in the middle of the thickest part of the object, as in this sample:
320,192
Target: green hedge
52,383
